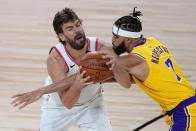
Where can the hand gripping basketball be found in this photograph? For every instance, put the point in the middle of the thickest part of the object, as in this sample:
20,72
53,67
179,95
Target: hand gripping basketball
96,67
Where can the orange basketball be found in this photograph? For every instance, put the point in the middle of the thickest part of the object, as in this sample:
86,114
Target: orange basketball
96,67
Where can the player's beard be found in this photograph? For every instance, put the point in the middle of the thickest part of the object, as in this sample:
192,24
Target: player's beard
120,49
74,44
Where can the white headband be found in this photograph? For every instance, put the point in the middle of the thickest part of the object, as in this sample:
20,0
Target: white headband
125,33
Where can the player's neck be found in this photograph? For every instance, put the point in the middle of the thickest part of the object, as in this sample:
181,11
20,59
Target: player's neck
76,54
131,46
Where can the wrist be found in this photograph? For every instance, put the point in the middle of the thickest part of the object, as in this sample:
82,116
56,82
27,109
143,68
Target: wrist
41,91
116,67
77,87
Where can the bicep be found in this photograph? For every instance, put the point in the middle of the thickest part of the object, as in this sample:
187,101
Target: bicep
130,62
135,65
56,67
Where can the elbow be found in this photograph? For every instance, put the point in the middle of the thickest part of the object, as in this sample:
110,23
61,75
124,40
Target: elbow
127,86
67,105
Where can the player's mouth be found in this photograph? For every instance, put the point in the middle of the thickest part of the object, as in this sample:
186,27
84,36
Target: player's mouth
79,37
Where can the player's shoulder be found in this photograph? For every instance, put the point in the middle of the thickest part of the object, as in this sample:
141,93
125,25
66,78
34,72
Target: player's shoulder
54,54
153,40
96,39
91,37
54,50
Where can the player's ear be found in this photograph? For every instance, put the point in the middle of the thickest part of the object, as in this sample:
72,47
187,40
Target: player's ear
61,36
128,41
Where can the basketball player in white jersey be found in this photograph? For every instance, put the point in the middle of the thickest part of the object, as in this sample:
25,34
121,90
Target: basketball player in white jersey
76,102
82,104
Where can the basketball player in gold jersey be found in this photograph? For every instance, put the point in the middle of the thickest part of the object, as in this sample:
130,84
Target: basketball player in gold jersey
153,67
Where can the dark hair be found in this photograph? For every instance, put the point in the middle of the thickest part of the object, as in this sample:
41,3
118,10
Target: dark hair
130,22
62,17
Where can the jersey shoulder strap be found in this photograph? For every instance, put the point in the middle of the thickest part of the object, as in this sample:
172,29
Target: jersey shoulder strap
92,43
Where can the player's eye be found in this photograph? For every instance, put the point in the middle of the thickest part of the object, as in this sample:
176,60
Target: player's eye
115,36
69,28
78,24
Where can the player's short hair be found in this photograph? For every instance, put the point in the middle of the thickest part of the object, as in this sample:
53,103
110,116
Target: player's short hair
130,22
61,17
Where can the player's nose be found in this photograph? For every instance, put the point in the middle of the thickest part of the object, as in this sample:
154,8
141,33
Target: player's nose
76,30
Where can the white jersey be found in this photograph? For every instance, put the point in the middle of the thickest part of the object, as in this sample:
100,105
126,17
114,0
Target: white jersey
88,93
89,113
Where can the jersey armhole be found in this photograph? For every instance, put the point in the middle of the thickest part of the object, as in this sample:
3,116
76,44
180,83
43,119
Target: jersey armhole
61,57
138,54
149,66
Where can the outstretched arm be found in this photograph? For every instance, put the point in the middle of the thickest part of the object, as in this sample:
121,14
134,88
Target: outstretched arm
55,67
24,99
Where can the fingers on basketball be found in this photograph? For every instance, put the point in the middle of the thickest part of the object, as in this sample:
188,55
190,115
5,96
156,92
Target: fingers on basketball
95,66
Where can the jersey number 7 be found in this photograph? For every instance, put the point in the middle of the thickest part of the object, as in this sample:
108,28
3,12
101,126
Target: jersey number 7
169,64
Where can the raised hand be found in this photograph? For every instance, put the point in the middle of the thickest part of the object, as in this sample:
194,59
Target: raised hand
112,61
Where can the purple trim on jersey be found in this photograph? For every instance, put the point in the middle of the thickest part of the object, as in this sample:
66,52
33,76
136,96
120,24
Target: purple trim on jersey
141,43
138,54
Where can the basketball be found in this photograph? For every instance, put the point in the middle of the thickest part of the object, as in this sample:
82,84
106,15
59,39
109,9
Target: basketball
96,67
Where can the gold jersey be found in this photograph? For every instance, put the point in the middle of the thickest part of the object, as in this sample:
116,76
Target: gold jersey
166,83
